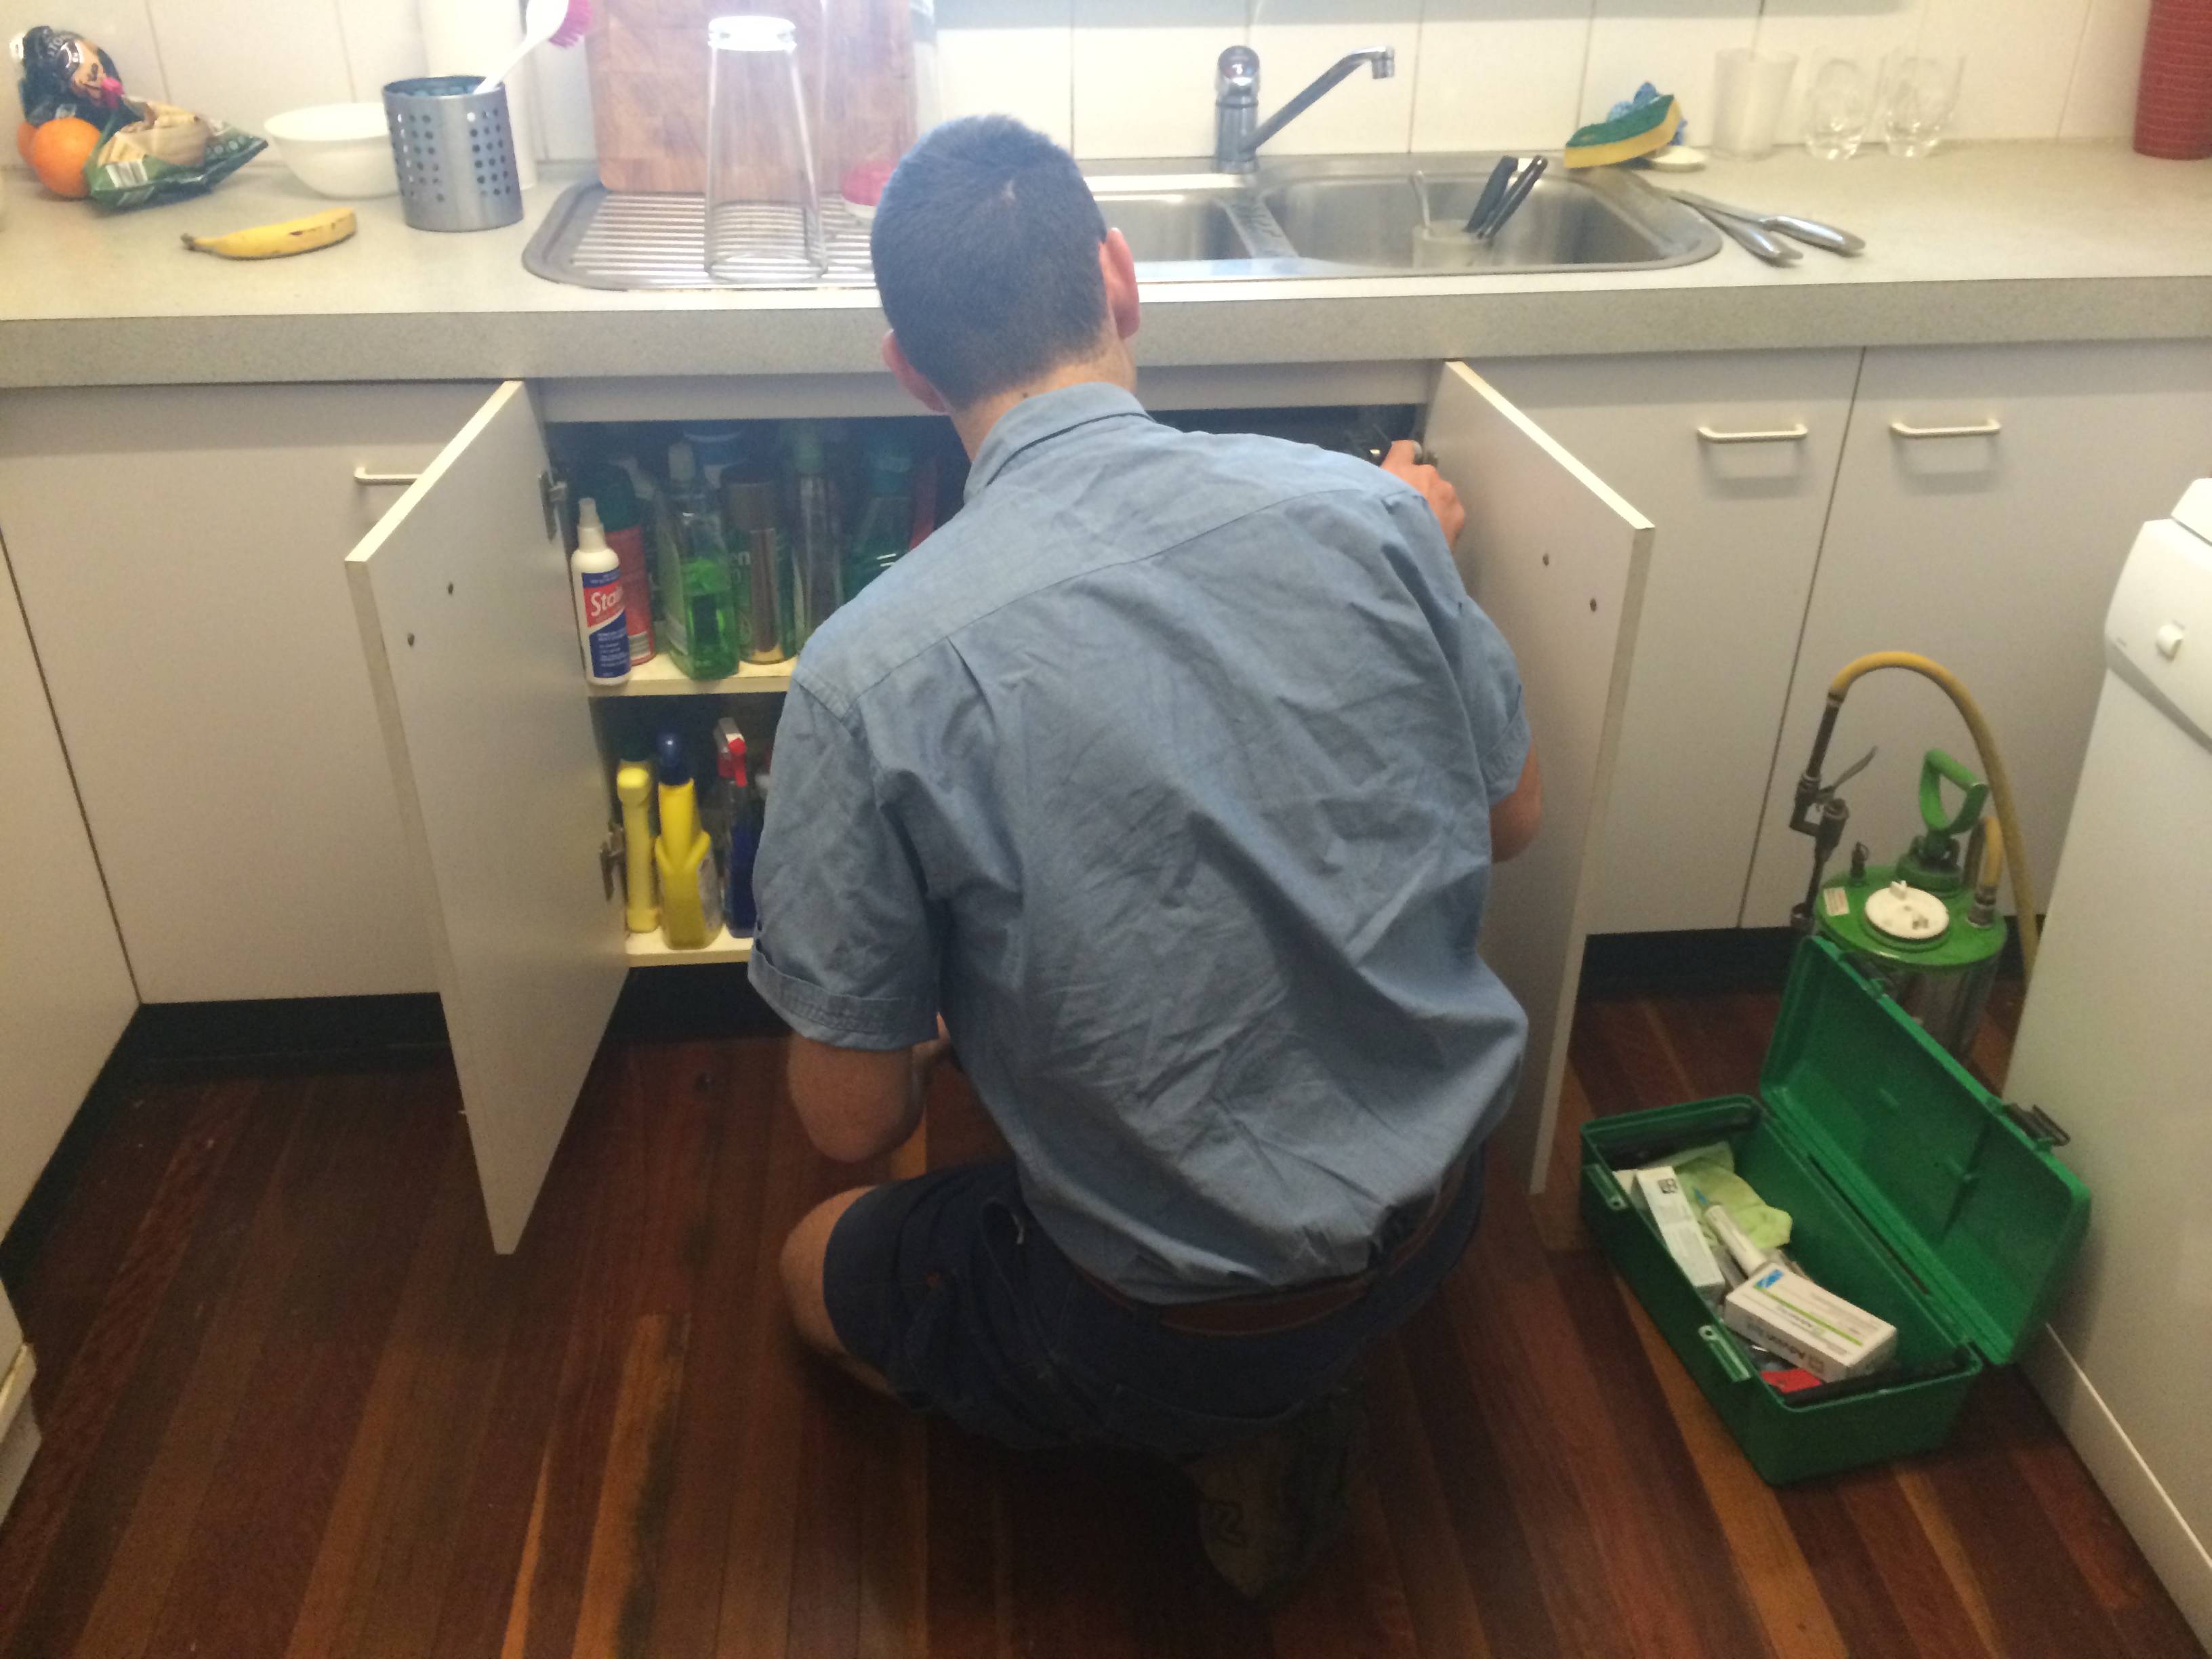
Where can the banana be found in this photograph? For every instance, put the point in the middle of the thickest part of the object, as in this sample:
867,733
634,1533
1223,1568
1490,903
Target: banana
271,241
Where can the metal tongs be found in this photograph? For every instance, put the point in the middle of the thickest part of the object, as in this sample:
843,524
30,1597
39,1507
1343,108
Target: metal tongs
1504,194
1758,231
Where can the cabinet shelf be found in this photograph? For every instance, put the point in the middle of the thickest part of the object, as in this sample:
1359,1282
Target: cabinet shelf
661,678
652,951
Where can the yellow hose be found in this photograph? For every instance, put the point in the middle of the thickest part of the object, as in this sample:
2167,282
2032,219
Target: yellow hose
2013,844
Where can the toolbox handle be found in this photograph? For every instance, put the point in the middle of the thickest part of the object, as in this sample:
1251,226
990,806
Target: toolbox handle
1725,1350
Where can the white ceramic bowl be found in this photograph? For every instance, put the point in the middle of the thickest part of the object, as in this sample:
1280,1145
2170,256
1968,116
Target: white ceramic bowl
337,149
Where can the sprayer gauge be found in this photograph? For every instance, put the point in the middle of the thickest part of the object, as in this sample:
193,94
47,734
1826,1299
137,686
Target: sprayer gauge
1905,912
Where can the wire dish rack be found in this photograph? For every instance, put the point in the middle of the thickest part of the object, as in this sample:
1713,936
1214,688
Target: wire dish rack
598,238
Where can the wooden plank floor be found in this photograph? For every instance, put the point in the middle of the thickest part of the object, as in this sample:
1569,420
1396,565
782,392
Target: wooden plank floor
294,1406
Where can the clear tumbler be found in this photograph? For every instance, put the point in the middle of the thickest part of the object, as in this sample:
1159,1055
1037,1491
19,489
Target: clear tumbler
763,215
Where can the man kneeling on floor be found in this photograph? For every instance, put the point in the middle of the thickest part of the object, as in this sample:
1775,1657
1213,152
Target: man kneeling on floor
1169,774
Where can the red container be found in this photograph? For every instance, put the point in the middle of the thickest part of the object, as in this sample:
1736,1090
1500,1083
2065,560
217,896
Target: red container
2173,110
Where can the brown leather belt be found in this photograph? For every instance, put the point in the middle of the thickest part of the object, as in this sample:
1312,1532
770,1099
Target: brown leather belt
1270,1311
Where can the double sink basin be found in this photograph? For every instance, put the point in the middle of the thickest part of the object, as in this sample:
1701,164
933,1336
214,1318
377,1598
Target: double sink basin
1365,216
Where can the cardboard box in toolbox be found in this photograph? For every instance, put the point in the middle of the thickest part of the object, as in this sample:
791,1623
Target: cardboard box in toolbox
1915,1195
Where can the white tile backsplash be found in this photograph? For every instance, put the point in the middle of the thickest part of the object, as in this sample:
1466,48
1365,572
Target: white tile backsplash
1669,43
1143,76
1300,39
1134,78
1499,75
2100,101
2016,77
999,58
383,43
243,61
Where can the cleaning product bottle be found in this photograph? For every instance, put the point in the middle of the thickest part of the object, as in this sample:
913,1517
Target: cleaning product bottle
634,789
595,580
702,624
887,520
813,536
741,819
749,506
690,908
623,522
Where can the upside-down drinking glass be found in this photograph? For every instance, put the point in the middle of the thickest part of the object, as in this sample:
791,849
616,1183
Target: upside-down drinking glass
764,213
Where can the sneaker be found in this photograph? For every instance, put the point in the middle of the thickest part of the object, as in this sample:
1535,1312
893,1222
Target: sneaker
1269,1506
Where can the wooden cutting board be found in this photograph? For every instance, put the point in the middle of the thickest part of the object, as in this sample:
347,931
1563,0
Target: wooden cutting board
649,60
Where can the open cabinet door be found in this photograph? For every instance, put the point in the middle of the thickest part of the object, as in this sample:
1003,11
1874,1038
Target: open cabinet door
1558,561
462,592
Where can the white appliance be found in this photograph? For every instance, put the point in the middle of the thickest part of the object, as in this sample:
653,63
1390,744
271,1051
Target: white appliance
2116,1043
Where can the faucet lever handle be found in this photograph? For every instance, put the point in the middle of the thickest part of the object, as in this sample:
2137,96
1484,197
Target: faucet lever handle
1236,73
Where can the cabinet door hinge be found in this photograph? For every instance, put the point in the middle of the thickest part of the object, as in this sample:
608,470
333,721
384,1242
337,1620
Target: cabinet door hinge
553,493
610,859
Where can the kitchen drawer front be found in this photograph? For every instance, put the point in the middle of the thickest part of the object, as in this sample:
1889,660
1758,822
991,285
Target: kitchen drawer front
1733,456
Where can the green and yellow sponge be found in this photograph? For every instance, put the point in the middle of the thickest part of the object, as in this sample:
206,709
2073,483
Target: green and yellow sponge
1647,127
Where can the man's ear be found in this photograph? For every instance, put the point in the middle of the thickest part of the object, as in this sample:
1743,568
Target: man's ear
1119,267
910,377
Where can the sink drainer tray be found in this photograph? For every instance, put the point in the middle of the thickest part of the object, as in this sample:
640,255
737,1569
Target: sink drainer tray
598,238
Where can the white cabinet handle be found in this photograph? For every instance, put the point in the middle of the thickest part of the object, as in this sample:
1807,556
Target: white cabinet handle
362,475
1987,429
1781,435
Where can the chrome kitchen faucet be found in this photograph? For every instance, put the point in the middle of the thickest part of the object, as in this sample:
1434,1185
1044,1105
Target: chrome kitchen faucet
1238,132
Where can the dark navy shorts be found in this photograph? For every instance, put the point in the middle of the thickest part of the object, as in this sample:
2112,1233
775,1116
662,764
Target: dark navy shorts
947,1286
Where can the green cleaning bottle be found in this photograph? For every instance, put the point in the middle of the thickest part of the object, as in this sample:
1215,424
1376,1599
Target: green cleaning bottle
700,610
887,520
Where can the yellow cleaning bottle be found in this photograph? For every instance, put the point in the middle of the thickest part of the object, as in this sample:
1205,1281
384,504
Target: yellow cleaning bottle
690,903
634,789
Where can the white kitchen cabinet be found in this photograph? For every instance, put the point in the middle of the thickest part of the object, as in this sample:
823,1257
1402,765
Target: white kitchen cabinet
1991,544
180,553
466,622
65,990
1733,455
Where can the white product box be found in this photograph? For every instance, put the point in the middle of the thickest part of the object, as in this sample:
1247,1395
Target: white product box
1828,1336
1659,1195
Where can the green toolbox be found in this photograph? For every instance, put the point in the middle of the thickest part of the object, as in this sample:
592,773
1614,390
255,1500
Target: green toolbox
1914,1192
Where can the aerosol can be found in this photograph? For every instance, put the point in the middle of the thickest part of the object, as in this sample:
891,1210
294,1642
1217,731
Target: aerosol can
1927,925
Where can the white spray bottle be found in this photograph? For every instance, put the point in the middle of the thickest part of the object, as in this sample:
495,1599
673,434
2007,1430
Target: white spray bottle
595,575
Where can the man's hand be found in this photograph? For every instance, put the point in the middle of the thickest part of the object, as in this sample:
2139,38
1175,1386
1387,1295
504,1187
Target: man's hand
1442,498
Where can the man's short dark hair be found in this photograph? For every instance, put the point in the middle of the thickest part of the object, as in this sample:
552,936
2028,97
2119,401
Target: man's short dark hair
986,249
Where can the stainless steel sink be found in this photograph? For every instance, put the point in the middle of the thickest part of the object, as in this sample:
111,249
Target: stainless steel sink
1299,216
1602,222
1342,217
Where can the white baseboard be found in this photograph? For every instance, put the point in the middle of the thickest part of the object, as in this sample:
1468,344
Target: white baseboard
2174,1551
19,1429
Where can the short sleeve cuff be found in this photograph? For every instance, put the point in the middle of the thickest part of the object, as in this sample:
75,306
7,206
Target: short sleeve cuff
1504,765
876,1024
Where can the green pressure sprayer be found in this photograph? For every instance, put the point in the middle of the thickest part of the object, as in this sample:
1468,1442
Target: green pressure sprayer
1928,925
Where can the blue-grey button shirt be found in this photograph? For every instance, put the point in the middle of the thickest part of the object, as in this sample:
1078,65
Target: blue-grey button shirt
1164,771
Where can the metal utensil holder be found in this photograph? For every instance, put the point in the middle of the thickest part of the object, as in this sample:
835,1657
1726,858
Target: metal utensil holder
455,151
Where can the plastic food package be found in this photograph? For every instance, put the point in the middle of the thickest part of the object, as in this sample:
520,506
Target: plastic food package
148,152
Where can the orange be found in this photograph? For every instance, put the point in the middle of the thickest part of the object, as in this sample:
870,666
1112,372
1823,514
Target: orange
24,134
59,150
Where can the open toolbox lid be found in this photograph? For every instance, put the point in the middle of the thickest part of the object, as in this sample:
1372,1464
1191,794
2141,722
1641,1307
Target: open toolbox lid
1980,1213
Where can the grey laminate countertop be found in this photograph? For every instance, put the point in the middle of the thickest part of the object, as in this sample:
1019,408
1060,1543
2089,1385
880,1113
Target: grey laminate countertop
1986,243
